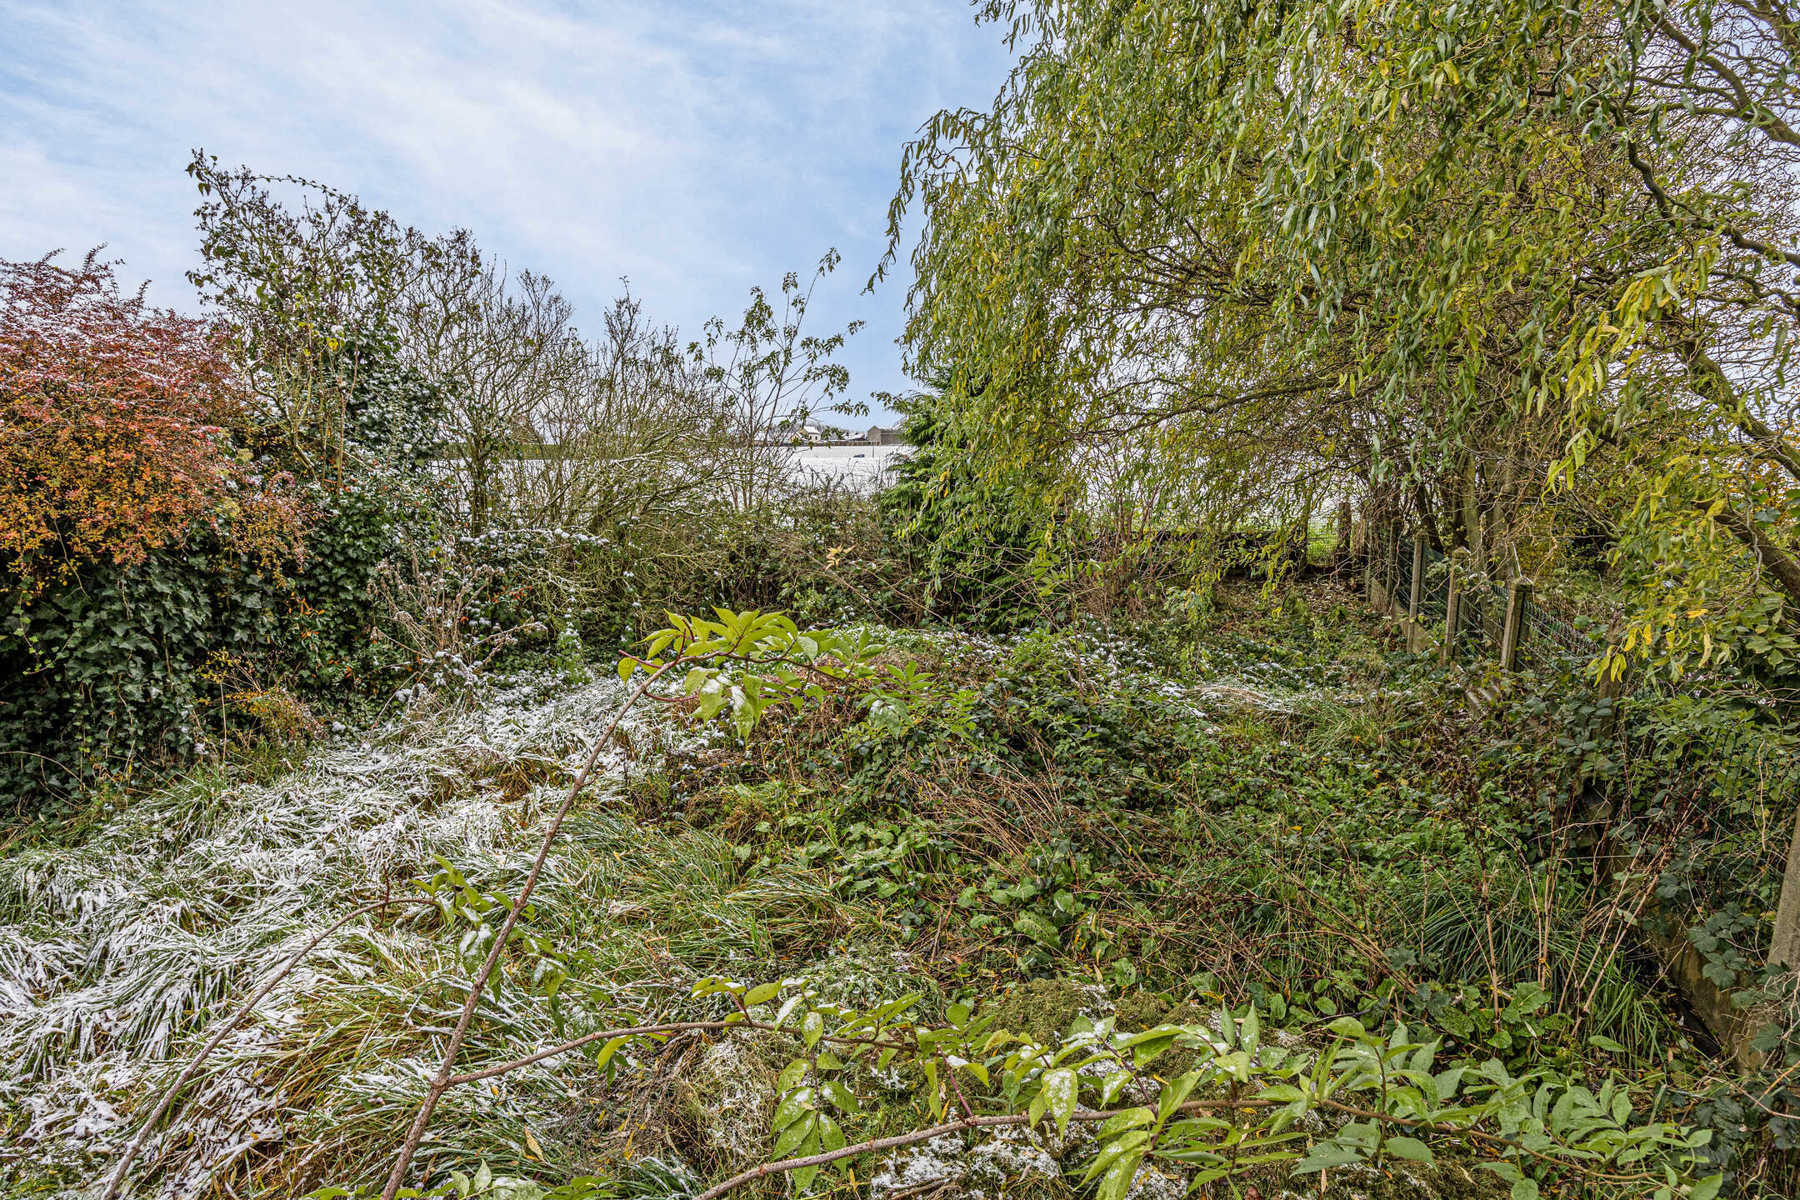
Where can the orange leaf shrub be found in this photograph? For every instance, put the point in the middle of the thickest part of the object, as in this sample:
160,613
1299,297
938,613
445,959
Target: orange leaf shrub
115,422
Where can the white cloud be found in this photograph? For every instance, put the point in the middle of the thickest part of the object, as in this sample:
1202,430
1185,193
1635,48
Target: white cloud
696,148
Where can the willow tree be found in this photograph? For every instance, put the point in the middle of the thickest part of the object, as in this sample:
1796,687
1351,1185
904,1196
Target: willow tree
1455,257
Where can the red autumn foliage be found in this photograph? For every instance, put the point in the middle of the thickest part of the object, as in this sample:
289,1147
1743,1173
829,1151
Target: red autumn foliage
114,420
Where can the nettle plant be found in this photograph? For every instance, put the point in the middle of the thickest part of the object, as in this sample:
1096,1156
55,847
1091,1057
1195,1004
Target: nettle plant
1215,1100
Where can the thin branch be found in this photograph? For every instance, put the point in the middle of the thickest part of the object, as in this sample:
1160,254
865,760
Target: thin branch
441,1081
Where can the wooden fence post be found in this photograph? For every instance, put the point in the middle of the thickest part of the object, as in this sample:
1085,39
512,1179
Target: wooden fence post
1418,573
1452,614
1518,599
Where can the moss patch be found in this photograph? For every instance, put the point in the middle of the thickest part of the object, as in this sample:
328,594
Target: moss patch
1044,1008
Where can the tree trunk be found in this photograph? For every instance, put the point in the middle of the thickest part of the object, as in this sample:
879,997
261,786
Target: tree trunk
1779,564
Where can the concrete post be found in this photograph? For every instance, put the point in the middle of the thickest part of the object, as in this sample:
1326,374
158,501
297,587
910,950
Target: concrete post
1518,599
1393,573
1371,551
1784,943
1378,560
1452,615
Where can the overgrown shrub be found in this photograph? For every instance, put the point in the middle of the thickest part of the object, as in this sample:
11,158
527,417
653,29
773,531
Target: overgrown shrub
135,535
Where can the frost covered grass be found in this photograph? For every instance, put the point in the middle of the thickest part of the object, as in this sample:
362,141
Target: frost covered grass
117,952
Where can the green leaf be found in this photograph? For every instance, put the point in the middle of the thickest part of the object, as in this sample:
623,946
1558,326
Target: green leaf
1116,1183
1037,929
606,1052
790,1076
1411,1149
1328,1154
762,993
787,1008
1060,1088
795,1105
831,1135
1524,1189
842,1096
1707,1188
1112,1086
794,1134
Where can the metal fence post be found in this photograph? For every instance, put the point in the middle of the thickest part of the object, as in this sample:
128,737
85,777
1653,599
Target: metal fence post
1518,599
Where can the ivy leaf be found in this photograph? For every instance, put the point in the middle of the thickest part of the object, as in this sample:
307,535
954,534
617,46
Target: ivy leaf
1037,929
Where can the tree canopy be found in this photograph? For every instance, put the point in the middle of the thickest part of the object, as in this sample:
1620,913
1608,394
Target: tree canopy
1506,268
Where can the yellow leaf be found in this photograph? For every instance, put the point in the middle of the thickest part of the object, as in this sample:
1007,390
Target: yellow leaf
531,1144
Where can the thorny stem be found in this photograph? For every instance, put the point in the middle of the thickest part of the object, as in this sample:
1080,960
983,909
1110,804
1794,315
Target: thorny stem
230,1023
442,1080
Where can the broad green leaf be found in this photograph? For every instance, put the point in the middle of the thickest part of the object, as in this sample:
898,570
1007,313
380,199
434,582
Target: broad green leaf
1409,1148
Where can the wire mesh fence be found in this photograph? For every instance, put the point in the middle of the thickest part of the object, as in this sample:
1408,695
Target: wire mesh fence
1481,621
1434,587
1547,637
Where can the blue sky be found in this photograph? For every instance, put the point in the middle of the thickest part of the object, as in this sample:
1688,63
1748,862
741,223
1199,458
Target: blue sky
694,148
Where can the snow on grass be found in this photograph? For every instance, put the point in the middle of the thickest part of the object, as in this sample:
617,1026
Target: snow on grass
116,953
